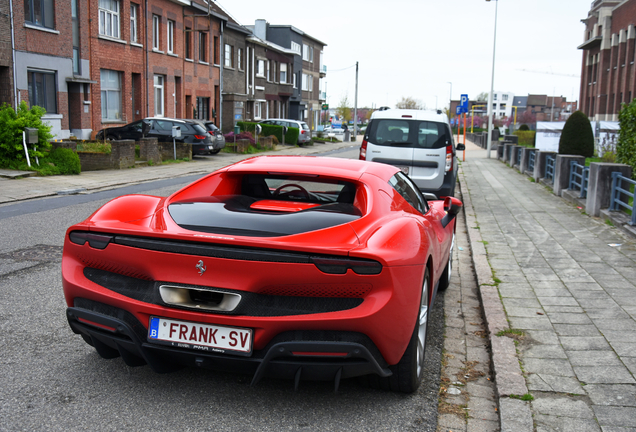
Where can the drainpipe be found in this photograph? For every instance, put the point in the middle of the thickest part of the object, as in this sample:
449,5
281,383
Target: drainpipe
220,107
15,85
147,60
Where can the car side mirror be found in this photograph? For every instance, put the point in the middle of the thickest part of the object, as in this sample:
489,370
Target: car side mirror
460,147
452,206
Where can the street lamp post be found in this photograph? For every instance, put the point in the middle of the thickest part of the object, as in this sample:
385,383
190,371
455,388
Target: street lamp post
492,83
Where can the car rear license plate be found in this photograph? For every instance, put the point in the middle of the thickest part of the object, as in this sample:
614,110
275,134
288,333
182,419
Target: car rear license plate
404,169
198,336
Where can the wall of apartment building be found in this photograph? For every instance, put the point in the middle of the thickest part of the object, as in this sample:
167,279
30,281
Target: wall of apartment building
277,93
608,76
312,69
235,79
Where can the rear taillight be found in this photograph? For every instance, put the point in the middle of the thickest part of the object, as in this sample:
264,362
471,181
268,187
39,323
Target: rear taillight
341,265
303,131
200,137
97,241
363,150
449,158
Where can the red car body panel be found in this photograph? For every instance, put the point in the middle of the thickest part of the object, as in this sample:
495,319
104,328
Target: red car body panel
389,231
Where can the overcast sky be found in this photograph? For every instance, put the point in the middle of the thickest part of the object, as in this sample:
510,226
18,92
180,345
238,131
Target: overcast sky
415,47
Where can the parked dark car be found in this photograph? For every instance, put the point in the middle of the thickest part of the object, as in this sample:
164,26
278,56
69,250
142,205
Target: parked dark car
160,127
218,140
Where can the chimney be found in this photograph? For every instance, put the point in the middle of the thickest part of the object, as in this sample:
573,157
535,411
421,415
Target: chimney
260,29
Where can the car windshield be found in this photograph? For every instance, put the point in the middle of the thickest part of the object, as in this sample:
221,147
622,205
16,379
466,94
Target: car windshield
411,133
295,188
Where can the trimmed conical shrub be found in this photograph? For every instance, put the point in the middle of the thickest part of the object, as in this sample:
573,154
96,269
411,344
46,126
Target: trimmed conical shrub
577,137
626,146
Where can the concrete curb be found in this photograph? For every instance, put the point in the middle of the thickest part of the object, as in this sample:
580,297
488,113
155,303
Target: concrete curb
514,415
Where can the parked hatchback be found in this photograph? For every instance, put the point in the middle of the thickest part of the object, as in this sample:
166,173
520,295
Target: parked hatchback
218,140
304,134
161,128
418,142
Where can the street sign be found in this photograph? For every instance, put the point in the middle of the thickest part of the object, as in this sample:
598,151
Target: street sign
464,102
458,110
325,107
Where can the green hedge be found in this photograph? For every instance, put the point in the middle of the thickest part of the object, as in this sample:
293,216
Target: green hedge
65,160
626,146
291,137
526,137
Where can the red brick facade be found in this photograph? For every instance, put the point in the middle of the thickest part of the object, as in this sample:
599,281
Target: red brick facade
608,75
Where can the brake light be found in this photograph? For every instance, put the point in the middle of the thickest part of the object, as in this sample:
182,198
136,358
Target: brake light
341,265
449,158
201,137
303,131
363,150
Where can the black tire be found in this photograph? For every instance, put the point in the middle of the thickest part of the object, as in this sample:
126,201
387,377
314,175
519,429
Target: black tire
408,373
111,137
444,279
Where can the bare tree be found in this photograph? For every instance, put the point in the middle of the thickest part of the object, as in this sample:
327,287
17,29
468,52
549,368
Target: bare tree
410,103
343,110
482,97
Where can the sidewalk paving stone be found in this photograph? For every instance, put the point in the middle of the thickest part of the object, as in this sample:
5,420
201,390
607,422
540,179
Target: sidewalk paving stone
583,340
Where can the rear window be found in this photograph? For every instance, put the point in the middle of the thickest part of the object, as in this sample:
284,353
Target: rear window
295,188
304,125
198,128
409,133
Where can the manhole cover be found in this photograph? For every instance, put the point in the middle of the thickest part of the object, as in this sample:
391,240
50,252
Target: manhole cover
36,253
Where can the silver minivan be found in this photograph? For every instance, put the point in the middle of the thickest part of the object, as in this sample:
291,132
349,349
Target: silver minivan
418,142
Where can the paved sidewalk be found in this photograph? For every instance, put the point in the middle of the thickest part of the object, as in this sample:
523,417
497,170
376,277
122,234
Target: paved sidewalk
12,190
567,282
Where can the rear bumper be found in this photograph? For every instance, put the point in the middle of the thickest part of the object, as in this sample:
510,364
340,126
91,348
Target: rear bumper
293,355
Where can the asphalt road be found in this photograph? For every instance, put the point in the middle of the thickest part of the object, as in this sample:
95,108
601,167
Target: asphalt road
52,380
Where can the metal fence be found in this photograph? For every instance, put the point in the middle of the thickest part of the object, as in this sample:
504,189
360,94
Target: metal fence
531,160
579,175
549,167
619,192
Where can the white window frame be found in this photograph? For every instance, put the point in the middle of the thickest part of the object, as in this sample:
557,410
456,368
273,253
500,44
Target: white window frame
304,82
257,110
305,52
170,36
239,59
156,24
159,87
283,73
228,57
294,81
134,36
110,90
269,70
295,46
260,70
109,18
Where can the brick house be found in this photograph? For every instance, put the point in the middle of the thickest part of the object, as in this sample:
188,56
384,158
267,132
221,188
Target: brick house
163,61
51,62
7,94
608,72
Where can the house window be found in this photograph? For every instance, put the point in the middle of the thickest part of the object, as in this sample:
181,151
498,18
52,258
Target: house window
203,108
257,110
39,12
111,94
229,56
305,52
188,43
295,47
494,96
308,82
159,96
240,59
109,18
133,22
170,36
156,22
269,70
42,90
203,47
295,82
504,97
283,73
76,42
260,71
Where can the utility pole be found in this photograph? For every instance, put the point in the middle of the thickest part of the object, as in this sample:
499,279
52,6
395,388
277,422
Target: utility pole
355,107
